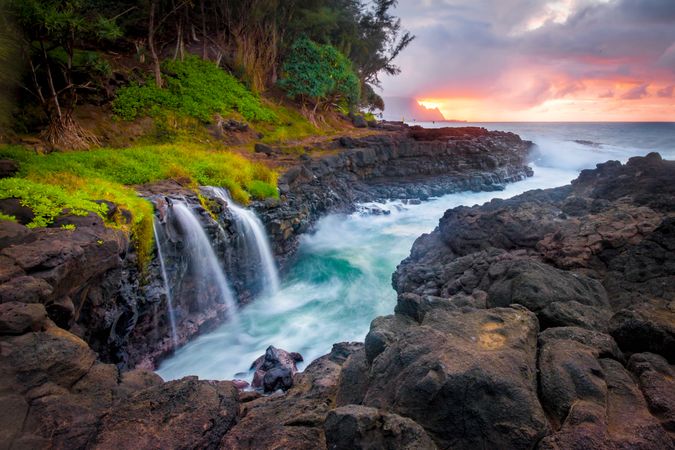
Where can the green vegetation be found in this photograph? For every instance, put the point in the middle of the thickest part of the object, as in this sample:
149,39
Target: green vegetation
319,73
48,184
194,88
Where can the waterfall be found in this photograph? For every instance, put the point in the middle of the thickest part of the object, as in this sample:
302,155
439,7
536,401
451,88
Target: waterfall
167,287
256,244
205,265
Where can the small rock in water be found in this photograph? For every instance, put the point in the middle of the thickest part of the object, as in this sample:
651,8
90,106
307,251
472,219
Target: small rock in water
240,384
275,369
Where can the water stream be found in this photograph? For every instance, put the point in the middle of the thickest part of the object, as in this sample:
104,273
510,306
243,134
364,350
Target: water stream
167,286
341,278
257,249
203,262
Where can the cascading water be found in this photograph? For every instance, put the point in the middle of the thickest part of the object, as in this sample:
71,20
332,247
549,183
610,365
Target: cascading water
167,287
256,244
204,264
337,285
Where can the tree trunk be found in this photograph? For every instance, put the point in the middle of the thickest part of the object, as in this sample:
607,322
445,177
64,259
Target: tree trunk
151,44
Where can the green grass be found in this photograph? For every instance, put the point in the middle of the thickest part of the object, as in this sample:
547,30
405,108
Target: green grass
194,88
48,184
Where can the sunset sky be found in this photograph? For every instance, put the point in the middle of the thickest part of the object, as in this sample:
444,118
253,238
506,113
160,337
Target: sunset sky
540,60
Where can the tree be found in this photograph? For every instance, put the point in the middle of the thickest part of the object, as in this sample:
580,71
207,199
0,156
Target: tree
370,36
319,74
54,32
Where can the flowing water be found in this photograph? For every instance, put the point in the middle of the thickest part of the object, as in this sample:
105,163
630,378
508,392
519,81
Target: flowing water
167,286
203,261
257,246
341,279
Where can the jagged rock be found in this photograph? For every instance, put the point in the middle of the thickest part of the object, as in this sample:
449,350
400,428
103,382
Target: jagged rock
275,369
385,166
186,413
19,318
359,427
646,327
657,381
570,371
294,419
453,374
623,422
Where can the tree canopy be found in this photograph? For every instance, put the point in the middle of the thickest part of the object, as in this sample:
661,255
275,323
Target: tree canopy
66,44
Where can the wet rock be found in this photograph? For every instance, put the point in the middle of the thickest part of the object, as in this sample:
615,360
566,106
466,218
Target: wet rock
351,427
275,369
293,419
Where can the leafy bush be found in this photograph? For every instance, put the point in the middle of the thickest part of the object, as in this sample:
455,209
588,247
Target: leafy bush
194,88
319,73
47,201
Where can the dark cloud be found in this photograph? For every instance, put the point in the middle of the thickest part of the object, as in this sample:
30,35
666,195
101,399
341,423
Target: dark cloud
607,94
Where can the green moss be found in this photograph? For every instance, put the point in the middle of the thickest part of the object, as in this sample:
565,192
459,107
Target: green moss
194,88
7,218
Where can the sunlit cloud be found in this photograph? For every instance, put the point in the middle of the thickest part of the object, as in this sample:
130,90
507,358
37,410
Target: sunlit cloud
540,59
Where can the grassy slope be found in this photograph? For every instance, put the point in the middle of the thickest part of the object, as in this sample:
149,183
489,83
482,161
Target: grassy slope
196,93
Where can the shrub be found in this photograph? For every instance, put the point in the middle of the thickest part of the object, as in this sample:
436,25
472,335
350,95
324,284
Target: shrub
194,88
319,73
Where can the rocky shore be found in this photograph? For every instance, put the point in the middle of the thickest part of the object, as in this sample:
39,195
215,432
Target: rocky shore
543,321
88,278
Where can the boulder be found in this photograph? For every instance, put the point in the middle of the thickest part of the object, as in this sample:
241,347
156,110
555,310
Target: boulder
646,327
656,379
275,369
454,375
294,419
359,427
19,318
186,413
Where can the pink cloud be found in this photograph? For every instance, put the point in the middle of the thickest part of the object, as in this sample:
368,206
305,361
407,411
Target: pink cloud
636,92
666,92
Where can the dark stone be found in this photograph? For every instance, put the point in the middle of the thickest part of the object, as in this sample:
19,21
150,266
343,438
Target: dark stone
8,168
265,149
13,207
359,427
275,369
19,318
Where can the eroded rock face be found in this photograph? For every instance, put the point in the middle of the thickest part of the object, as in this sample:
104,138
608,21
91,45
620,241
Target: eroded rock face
350,427
466,375
397,165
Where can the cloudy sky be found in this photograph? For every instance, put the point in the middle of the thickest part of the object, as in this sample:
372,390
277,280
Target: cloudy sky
597,60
